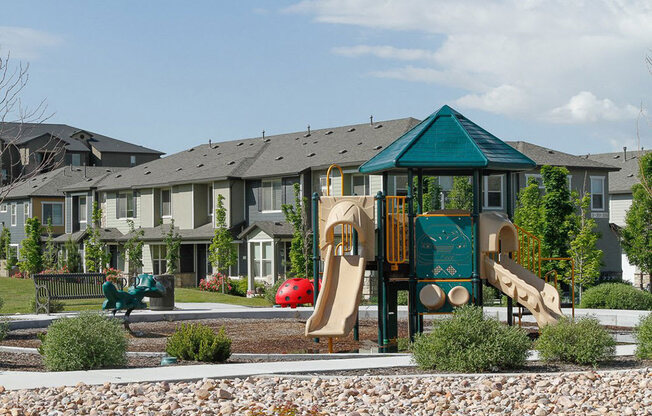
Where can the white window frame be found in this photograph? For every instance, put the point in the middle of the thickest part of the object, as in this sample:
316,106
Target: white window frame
262,203
26,210
485,192
604,200
322,186
85,210
157,259
3,207
14,215
132,160
73,157
210,202
44,220
366,184
161,202
253,259
128,195
17,246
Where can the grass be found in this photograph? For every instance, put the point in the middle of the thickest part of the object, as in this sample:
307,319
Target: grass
18,295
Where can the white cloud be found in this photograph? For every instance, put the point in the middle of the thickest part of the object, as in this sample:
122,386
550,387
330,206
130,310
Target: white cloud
530,52
24,42
586,107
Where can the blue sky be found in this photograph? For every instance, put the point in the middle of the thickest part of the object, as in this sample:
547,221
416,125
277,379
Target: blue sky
172,74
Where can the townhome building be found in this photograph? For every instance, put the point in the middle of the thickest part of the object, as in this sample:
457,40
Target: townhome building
620,200
42,196
32,148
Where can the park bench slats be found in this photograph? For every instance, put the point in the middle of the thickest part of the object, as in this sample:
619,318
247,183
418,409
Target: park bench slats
68,286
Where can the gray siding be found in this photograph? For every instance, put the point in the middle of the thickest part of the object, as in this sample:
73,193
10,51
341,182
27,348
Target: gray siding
17,231
253,195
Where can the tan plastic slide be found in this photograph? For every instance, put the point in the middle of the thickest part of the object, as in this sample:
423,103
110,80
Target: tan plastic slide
336,309
497,233
525,288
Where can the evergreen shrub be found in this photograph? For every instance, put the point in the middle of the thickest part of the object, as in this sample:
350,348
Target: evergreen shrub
616,296
198,342
643,333
583,341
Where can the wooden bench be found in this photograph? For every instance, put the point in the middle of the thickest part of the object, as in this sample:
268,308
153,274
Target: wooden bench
68,286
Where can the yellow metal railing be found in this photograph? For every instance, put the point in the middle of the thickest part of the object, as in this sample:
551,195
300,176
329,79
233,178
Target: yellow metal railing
347,230
396,230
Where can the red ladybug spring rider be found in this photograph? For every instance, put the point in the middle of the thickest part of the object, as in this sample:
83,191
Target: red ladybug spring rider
295,292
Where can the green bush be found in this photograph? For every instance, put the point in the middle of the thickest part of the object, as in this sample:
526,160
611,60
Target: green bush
56,306
2,302
198,342
402,297
85,342
4,329
643,333
270,291
491,296
584,341
470,342
616,296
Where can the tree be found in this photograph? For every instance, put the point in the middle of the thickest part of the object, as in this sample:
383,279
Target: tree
97,256
133,248
529,209
637,233
431,194
300,261
583,246
172,241
72,260
30,252
50,251
5,243
461,195
558,223
222,253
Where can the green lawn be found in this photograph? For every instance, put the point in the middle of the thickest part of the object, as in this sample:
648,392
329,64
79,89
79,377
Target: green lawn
19,293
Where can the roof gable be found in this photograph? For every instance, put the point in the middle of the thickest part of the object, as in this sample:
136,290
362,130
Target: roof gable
448,140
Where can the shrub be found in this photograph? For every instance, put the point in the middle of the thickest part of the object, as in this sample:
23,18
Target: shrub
198,342
270,291
616,296
402,297
85,342
584,341
4,329
491,296
643,333
2,302
470,342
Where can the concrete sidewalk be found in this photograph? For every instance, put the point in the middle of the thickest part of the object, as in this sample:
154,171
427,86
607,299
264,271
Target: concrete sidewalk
14,380
193,311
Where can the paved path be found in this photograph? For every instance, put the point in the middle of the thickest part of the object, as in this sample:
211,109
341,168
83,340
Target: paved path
13,380
191,311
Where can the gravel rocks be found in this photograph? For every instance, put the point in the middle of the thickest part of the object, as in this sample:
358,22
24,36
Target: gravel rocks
589,393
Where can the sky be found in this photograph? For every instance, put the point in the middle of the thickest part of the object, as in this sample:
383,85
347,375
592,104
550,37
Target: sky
173,74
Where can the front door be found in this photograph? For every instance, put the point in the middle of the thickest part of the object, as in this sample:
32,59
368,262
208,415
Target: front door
201,262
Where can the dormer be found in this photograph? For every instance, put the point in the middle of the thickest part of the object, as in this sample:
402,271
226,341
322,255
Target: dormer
83,136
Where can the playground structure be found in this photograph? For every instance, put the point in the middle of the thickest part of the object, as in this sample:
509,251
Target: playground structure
440,257
144,286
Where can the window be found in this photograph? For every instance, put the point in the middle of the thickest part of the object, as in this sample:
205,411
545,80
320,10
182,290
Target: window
493,191
262,259
14,216
13,251
159,264
360,185
26,209
126,205
322,186
53,211
597,193
3,208
272,195
132,160
537,177
76,159
166,203
4,174
82,209
397,185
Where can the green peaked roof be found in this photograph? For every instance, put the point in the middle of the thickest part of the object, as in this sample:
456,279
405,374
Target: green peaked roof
447,140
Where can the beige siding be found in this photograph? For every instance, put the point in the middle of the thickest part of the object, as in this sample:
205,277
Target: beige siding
147,259
182,206
121,223
222,188
375,184
618,207
147,208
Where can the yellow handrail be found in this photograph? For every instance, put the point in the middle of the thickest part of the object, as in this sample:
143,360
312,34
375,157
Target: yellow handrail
395,230
347,231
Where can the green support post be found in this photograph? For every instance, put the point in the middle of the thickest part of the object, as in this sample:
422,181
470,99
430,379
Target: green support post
380,264
420,191
412,288
315,248
475,276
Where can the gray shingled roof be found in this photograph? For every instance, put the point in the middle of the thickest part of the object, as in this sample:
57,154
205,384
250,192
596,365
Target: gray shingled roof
22,133
106,234
545,156
621,182
284,154
52,183
92,182
277,229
